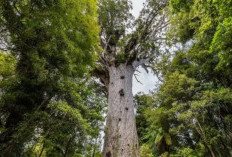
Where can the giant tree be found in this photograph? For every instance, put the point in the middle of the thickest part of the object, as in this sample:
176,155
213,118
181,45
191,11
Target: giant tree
127,44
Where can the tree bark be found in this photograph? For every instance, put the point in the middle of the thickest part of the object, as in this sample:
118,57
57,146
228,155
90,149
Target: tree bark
121,138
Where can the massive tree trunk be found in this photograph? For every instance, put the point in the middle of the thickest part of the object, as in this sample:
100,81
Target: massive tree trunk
139,48
121,138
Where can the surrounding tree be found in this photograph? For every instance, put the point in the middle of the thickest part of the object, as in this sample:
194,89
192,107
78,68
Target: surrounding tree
190,114
48,48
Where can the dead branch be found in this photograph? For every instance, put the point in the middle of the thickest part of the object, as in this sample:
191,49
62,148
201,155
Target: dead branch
137,79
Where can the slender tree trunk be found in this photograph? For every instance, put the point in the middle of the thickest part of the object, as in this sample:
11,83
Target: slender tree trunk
94,147
41,152
211,151
202,133
121,138
68,145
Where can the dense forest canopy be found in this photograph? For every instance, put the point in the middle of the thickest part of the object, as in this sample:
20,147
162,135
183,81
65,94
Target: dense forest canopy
66,66
190,113
47,106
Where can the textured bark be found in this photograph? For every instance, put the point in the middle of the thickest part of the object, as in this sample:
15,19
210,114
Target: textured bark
121,138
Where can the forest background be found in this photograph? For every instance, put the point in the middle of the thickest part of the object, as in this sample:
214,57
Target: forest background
51,103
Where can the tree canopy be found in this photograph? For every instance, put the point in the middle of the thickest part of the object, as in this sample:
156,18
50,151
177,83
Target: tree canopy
47,51
189,114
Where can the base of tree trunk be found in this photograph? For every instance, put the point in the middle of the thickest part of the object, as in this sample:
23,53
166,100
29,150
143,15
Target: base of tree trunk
121,138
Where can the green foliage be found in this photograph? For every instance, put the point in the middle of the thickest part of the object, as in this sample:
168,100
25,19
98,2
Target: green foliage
120,58
183,117
145,151
192,106
221,44
46,103
142,101
7,63
114,18
179,5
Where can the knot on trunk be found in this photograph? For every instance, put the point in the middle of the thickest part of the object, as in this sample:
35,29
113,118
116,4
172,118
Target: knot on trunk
108,154
121,92
122,77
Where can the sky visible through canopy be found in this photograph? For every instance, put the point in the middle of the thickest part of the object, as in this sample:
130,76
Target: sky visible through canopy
148,80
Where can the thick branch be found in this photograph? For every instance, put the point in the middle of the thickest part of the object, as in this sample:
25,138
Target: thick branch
147,30
103,75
